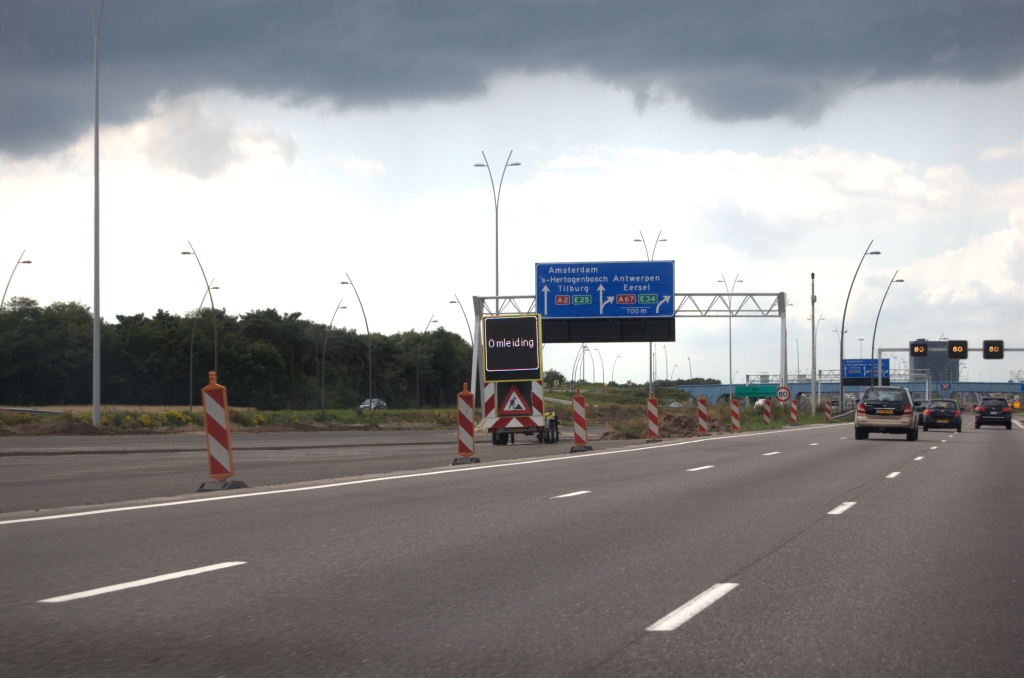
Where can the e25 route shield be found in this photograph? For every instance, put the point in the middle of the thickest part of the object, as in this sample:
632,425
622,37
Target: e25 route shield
218,430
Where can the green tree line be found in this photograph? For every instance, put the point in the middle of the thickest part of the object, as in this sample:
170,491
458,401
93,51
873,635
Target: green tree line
267,359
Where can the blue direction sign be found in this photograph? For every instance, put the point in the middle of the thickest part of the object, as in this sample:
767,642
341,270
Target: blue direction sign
606,289
864,368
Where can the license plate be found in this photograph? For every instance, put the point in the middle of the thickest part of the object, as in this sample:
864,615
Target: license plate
942,421
885,411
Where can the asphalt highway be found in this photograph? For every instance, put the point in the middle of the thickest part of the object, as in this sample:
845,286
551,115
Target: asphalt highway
791,552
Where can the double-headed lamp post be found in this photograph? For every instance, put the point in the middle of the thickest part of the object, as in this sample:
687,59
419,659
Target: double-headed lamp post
496,192
16,264
875,331
842,329
729,306
369,340
418,349
649,253
323,362
213,307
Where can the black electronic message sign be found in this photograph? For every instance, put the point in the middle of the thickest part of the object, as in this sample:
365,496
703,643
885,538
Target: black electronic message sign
956,349
512,348
992,349
919,349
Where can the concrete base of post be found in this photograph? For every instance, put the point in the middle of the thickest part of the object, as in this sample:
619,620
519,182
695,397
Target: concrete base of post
465,460
580,448
216,485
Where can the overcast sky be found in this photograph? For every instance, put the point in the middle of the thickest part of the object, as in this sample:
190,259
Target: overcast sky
294,142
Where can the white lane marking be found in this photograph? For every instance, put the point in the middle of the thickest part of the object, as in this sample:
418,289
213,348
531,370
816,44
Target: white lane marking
1018,423
471,469
572,494
918,458
841,508
676,618
140,582
893,474
942,441
843,438
768,454
699,468
934,448
813,444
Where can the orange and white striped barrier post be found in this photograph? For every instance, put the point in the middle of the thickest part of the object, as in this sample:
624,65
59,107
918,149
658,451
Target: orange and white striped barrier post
702,416
467,427
218,438
793,412
767,411
579,423
652,420
828,411
735,415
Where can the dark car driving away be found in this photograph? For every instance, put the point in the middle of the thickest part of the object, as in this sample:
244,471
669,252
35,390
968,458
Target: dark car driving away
941,414
994,411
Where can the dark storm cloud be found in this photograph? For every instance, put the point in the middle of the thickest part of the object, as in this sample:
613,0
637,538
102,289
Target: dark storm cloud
729,60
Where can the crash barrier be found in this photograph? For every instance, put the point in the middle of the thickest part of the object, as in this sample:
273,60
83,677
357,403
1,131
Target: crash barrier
767,411
735,415
702,416
652,419
217,426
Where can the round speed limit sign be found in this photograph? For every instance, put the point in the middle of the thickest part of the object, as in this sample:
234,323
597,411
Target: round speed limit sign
782,393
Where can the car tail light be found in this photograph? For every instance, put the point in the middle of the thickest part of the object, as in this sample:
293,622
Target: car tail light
979,410
907,409
1006,409
860,408
927,412
957,413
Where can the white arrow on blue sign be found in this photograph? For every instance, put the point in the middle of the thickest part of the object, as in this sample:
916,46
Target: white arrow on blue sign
609,289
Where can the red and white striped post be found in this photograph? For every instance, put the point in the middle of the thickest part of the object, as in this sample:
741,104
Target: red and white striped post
652,420
218,437
702,416
579,423
828,411
767,411
735,415
467,427
793,412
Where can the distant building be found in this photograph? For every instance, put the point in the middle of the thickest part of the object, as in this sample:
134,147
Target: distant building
943,369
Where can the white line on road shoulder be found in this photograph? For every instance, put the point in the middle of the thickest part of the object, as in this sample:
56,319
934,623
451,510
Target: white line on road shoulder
768,454
893,474
699,468
676,618
918,458
140,582
841,508
572,494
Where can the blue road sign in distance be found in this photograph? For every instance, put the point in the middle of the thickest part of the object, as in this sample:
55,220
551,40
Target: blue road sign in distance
606,289
864,368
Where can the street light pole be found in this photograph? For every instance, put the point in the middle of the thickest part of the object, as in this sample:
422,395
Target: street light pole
19,261
650,345
97,18
213,307
814,352
192,345
613,366
464,317
497,199
369,340
323,363
422,337
690,366
729,306
875,331
842,332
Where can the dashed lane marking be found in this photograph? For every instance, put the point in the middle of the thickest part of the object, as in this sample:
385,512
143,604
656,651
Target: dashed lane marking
841,508
934,448
699,468
140,582
768,454
893,474
918,458
572,494
676,618
813,444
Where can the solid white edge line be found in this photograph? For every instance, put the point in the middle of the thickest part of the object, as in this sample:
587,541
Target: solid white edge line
469,469
140,582
893,474
699,468
679,616
918,458
768,454
841,508
572,494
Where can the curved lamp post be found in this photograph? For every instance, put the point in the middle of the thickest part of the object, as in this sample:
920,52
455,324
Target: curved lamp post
875,331
842,331
464,317
369,341
601,358
613,366
20,261
213,307
729,306
650,346
418,348
497,198
192,344
323,363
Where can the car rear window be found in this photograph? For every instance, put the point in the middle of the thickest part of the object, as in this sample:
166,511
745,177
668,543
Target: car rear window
942,405
885,395
993,402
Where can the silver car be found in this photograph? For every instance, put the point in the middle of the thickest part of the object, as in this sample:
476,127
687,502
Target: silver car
885,409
